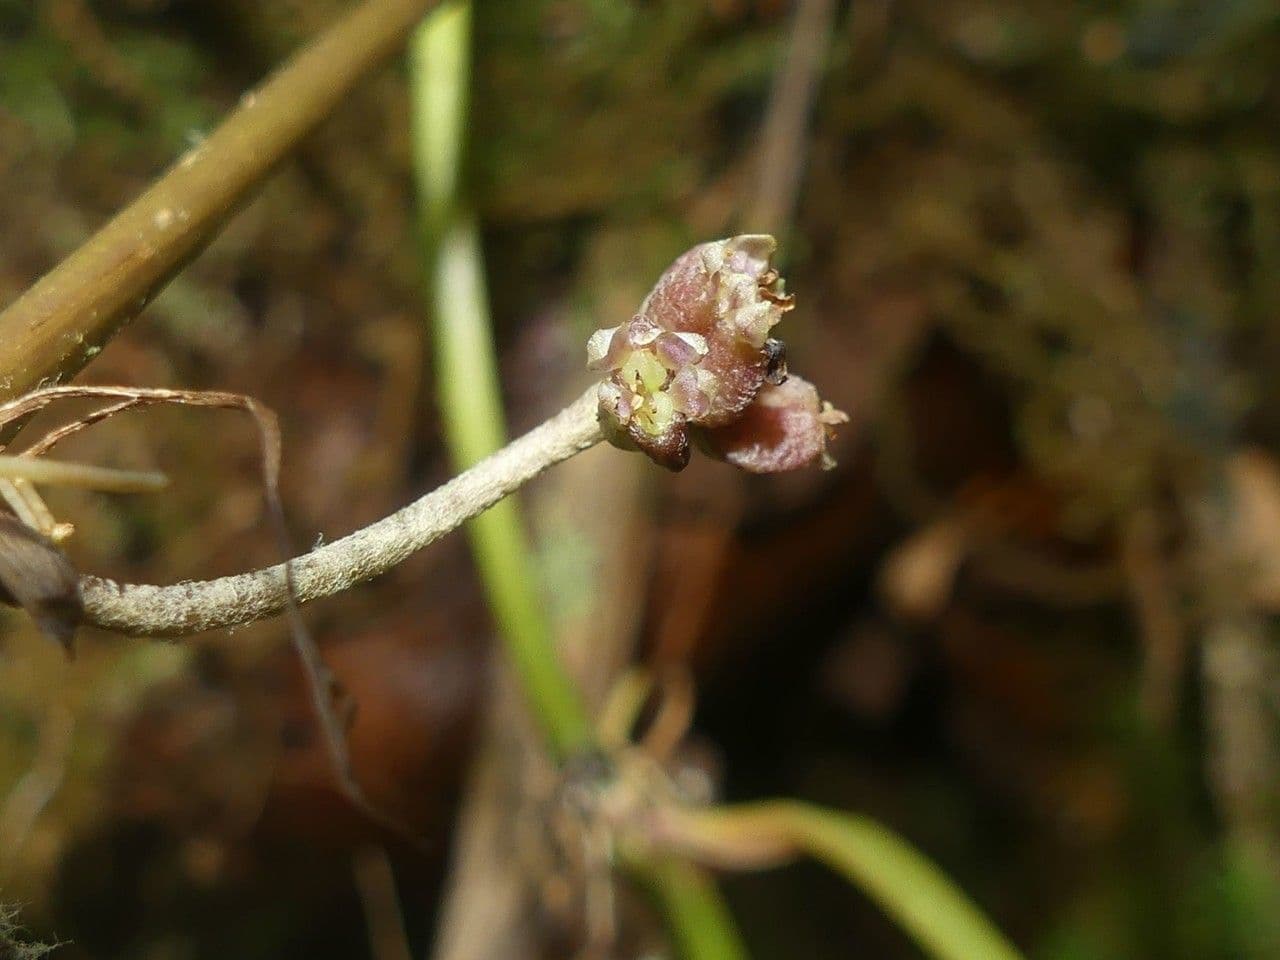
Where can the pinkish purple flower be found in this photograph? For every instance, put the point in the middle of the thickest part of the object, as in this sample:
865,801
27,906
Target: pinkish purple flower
698,355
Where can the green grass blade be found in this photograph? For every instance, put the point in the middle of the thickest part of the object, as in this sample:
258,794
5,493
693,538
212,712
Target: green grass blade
466,369
908,886
697,918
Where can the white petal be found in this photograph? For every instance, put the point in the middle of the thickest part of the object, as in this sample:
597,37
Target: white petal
598,347
695,340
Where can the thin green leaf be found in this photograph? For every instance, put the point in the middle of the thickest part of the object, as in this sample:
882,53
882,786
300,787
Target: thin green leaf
466,368
907,885
697,918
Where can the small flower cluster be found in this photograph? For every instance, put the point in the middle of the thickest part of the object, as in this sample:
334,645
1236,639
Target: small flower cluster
697,363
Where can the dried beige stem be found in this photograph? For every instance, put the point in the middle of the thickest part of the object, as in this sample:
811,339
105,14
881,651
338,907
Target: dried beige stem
783,138
60,473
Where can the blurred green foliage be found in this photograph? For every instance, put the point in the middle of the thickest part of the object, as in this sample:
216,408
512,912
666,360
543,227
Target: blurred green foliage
71,86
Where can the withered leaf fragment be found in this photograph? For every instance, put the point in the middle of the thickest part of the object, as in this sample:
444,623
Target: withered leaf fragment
37,576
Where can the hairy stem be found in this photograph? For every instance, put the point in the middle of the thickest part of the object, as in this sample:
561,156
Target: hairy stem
57,326
186,608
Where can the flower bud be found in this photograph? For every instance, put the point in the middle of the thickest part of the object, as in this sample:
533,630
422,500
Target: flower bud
784,428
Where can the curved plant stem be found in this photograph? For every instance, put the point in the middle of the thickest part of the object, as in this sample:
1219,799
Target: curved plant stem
908,886
185,608
57,326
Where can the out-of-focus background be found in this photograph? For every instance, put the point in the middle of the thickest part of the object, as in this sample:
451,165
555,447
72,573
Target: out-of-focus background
1028,621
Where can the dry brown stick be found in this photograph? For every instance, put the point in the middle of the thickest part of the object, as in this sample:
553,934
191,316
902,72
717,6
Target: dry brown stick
1237,664
486,909
1154,599
58,325
376,885
58,434
783,137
